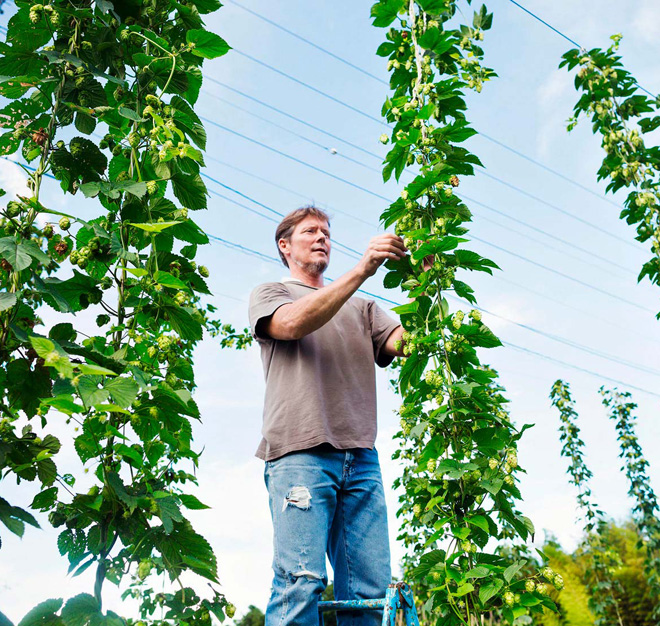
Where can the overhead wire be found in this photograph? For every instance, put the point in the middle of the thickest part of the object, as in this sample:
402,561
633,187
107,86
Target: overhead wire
293,192
591,314
563,275
571,343
329,149
307,41
384,82
545,167
566,37
545,233
380,121
285,114
295,159
566,276
272,259
257,254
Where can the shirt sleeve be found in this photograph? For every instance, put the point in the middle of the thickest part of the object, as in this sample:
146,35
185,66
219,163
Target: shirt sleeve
264,301
382,326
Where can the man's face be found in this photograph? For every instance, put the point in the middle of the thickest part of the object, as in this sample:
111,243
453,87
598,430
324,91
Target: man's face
309,246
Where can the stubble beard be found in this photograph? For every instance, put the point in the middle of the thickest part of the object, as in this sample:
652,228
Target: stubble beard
313,268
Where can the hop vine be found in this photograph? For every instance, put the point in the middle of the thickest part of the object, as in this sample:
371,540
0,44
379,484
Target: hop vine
604,588
458,445
125,384
622,115
645,512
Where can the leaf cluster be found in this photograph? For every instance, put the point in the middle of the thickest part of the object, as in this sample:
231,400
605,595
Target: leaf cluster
458,445
130,72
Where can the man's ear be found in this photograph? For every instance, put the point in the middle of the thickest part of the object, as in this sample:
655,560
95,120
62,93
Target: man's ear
283,245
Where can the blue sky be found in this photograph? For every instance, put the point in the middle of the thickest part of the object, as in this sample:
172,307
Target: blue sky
526,109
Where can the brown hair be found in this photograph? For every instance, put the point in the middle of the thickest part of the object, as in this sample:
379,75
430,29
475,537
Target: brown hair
288,224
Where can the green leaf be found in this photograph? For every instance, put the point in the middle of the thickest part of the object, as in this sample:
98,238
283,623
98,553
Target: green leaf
493,486
45,499
122,390
472,261
491,589
130,453
479,521
85,123
183,323
64,404
72,289
527,599
436,246
191,502
464,589
480,571
183,547
512,570
15,253
190,190
129,114
118,487
190,232
384,12
4,620
207,6
427,562
7,300
27,386
169,513
206,44
82,610
90,394
155,227
410,307
39,614
168,280
62,332
94,370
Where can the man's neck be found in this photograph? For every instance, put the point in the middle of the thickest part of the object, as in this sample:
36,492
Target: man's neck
311,280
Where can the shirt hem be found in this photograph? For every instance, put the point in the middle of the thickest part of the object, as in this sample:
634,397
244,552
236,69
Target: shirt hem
311,443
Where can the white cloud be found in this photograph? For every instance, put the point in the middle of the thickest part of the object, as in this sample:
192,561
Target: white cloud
556,515
549,96
12,179
646,22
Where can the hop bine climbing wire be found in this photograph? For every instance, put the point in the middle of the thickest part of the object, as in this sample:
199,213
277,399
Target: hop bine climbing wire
603,586
458,445
622,117
122,383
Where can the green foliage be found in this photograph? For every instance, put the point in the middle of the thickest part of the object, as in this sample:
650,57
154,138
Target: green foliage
458,445
133,69
621,114
254,617
645,511
631,588
603,589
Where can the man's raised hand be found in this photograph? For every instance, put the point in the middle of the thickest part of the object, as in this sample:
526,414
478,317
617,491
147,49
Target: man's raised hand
380,249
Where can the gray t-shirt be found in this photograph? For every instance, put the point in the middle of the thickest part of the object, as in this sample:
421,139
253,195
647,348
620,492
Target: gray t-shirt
321,388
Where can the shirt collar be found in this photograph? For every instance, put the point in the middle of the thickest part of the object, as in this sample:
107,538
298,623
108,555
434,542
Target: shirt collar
290,279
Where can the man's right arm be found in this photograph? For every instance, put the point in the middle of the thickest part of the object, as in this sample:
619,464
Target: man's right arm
302,317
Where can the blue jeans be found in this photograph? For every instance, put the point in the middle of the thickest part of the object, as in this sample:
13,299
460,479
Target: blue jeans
327,500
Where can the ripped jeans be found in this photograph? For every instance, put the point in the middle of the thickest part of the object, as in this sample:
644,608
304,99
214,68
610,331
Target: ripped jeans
327,500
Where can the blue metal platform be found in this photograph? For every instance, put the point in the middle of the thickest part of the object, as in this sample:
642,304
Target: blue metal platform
399,597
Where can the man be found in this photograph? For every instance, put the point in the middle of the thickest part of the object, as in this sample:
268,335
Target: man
318,346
